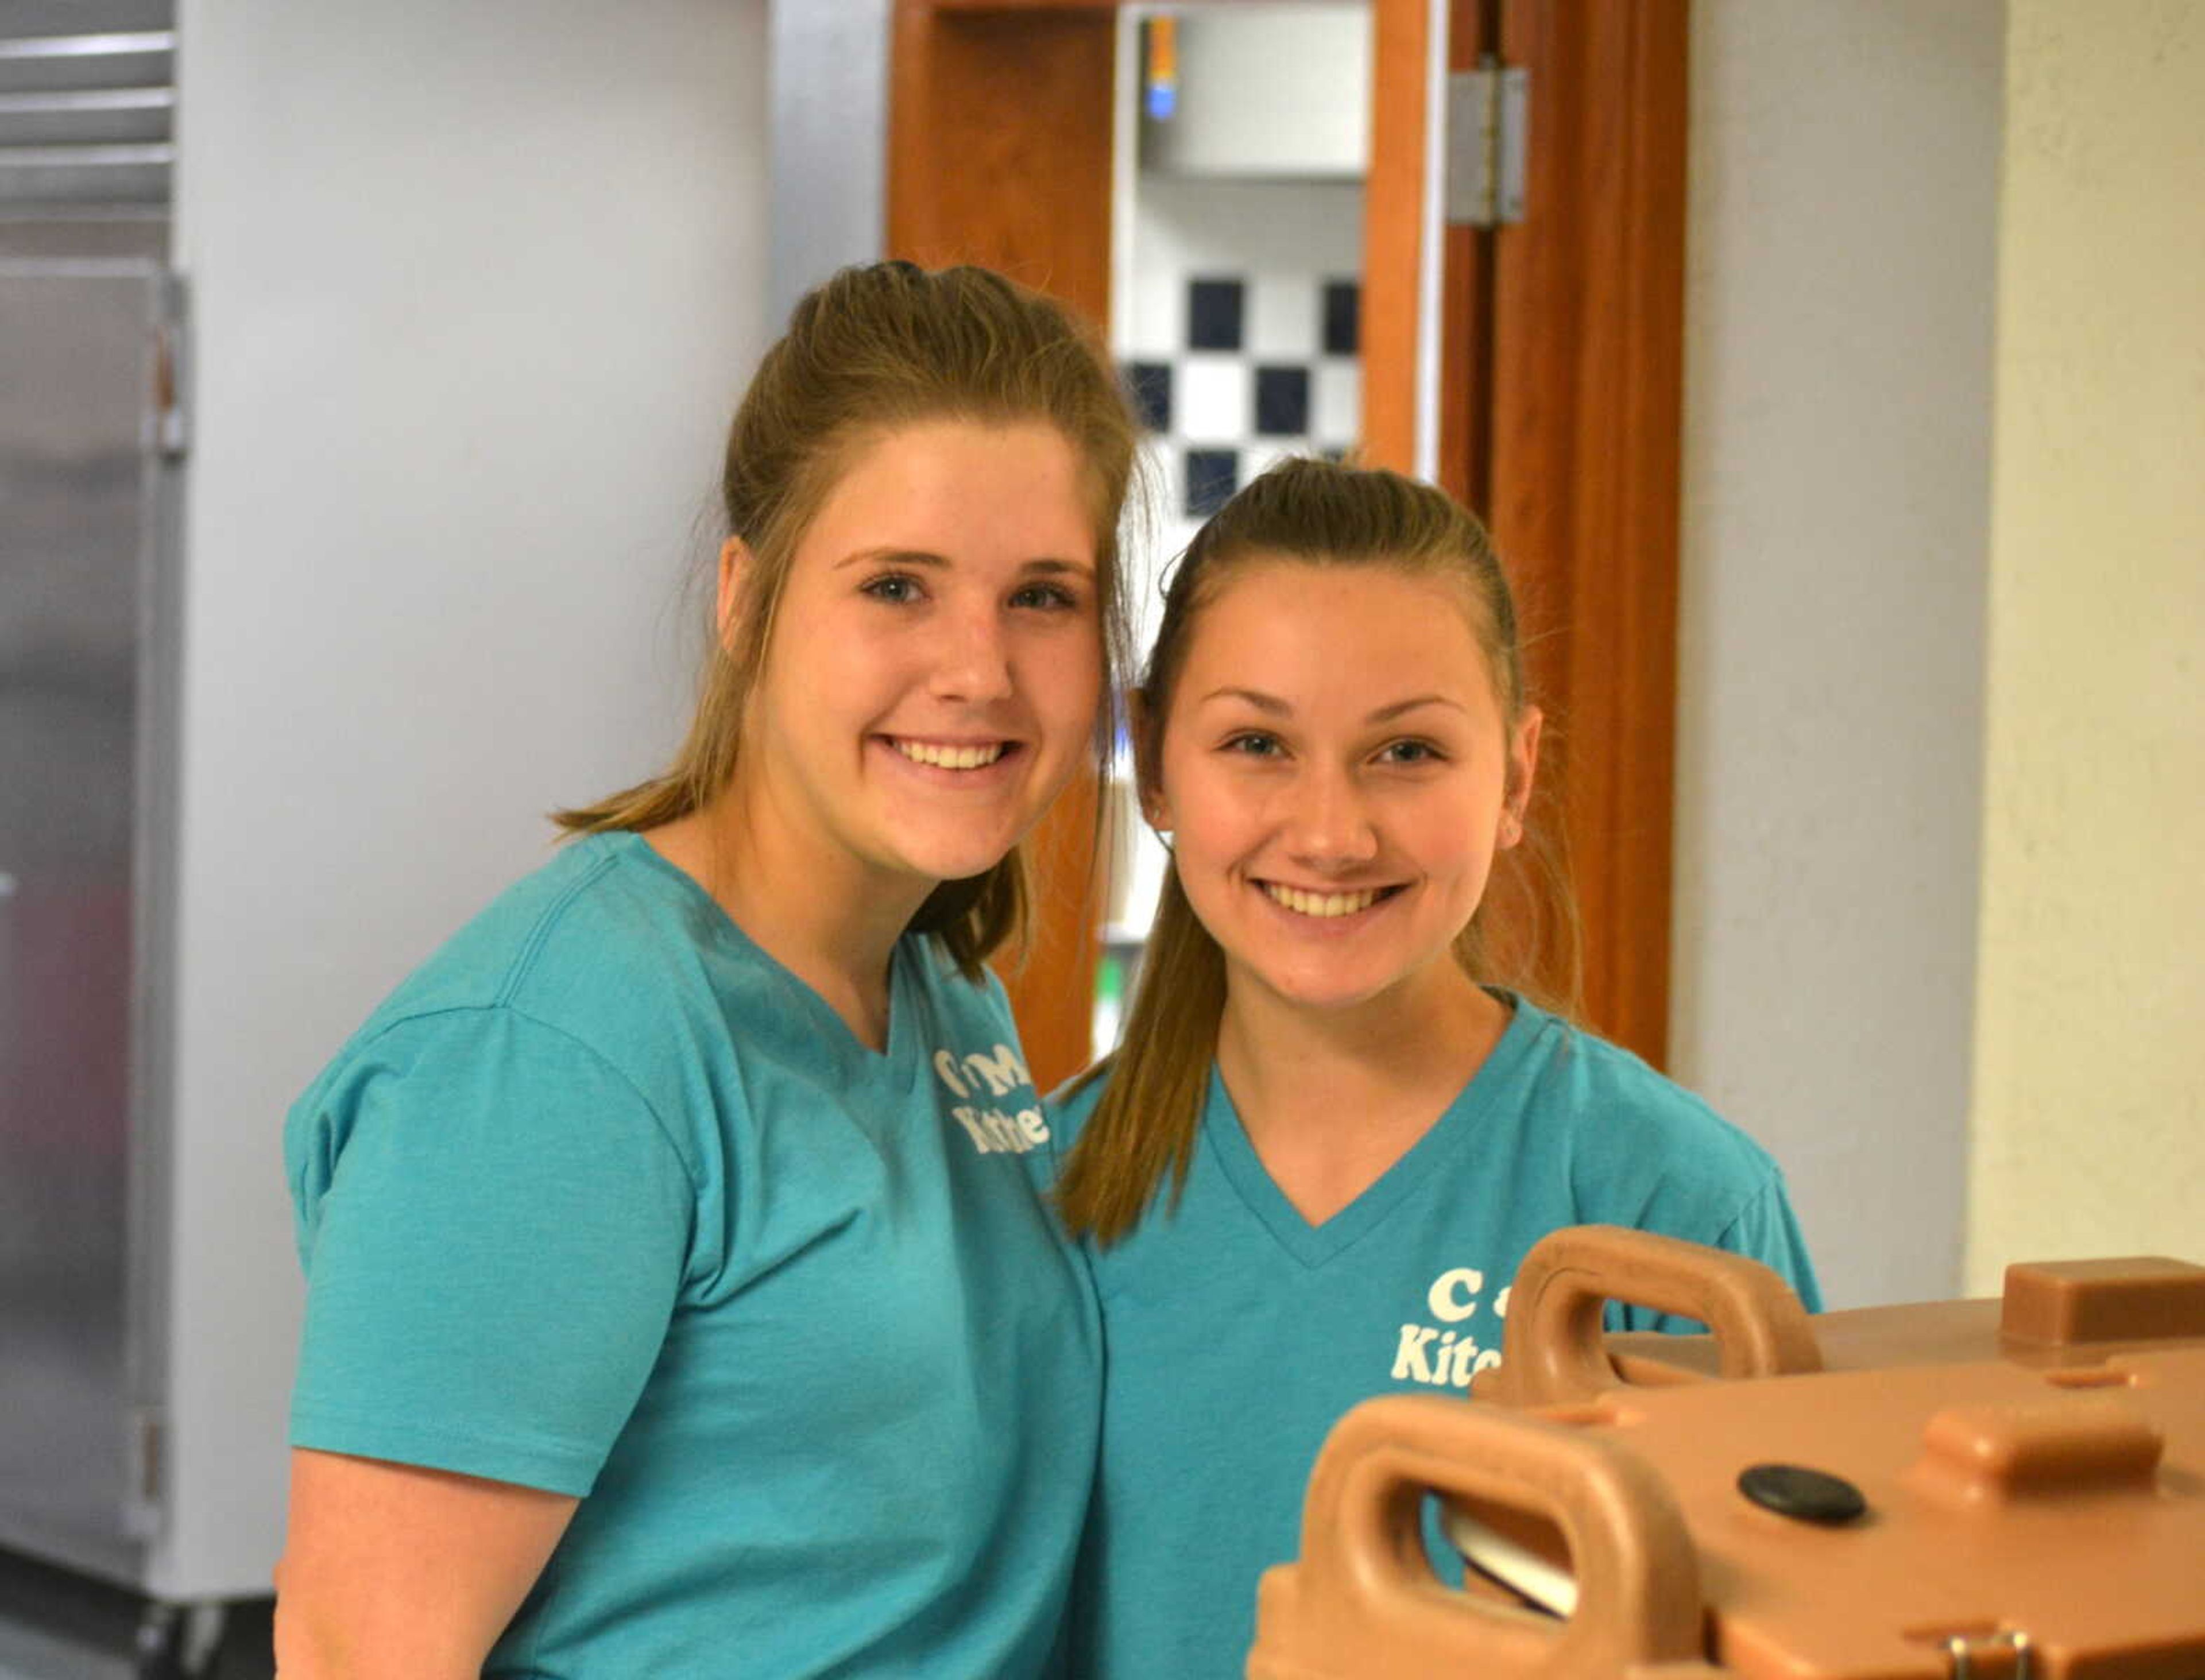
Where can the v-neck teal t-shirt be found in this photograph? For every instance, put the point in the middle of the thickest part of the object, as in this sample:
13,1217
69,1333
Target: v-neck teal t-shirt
1237,1333
605,1201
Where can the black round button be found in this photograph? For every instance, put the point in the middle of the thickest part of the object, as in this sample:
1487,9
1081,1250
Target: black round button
1793,1490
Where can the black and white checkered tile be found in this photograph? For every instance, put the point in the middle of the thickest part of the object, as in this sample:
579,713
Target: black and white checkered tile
1268,368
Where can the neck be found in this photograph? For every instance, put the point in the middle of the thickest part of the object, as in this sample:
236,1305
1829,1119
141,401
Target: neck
827,916
1393,1062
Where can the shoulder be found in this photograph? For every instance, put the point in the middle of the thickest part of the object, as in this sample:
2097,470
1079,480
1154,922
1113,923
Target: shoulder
582,973
583,909
485,1076
1601,1089
1642,1149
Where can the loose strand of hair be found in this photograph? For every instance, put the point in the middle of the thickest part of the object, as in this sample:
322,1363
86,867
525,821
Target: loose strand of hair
1145,1125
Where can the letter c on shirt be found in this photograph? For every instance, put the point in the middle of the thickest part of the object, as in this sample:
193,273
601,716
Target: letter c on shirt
1449,1307
945,1064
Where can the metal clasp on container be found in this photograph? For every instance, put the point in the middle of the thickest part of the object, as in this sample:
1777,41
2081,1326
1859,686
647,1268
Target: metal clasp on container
1967,1651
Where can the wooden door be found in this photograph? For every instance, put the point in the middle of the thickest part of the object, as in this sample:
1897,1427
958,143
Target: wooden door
1559,396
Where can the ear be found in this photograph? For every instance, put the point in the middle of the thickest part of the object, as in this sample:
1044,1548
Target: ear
1523,771
734,564
1147,782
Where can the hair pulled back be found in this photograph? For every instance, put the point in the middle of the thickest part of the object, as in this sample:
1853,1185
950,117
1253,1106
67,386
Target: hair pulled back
874,349
1317,513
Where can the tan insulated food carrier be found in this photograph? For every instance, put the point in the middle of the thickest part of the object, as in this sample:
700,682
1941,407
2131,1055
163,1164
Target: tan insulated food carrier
1983,1490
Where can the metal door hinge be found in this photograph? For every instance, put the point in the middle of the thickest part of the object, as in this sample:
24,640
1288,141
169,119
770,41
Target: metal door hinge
148,1447
1488,112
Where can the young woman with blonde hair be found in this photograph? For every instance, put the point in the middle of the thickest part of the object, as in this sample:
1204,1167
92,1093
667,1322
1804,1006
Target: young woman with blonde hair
680,1298
1332,1131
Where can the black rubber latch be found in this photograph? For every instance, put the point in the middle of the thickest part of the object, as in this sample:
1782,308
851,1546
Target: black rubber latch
1793,1490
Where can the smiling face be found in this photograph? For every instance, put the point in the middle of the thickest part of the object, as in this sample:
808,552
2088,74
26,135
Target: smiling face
937,657
1337,773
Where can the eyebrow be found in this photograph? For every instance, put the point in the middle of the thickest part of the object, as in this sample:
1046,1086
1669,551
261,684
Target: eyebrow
1386,713
1274,707
899,556
1043,567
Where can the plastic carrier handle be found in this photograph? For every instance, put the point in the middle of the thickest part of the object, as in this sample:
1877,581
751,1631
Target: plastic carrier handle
1362,1600
1552,1352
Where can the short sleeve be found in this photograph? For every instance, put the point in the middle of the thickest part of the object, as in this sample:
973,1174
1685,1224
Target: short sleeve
495,1230
1765,1230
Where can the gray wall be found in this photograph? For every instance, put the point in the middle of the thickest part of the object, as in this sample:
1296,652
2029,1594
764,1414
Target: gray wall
1842,221
830,90
476,287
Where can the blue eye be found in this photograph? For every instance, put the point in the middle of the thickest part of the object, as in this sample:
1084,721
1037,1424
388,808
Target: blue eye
1050,597
1412,752
897,588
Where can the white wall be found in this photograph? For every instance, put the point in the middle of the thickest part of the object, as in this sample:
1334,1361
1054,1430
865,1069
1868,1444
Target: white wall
2088,1070
476,287
1280,92
1842,249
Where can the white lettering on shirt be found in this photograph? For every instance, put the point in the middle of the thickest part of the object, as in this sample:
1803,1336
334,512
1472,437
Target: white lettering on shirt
1449,1307
1002,1072
1447,1359
945,1065
1409,1363
993,1131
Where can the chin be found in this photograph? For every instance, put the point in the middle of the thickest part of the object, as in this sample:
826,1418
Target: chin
1322,992
1346,981
953,861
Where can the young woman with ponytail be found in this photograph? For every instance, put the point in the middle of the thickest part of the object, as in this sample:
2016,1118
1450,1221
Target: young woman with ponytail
681,1296
1332,1130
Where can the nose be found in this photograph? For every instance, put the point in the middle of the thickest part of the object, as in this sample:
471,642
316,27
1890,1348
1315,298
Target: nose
973,660
1328,824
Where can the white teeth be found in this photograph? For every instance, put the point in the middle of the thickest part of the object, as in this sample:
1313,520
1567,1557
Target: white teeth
1321,903
951,758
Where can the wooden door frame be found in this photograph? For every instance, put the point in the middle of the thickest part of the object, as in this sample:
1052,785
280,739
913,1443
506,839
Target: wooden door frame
1562,363
1585,466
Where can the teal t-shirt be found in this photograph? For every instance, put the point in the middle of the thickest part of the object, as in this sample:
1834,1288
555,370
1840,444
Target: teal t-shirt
605,1201
1238,1334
